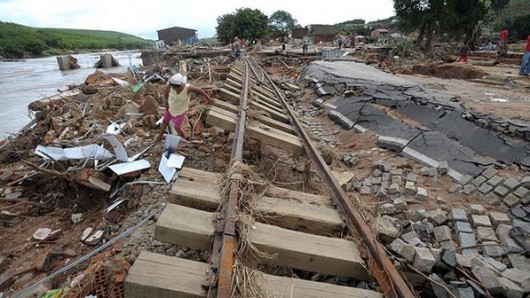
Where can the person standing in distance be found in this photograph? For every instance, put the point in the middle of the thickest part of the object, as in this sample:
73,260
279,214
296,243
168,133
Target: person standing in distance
177,99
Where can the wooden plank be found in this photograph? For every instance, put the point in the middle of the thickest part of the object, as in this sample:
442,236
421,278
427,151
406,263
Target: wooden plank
226,106
232,88
194,228
236,87
272,113
308,252
228,95
199,195
267,99
303,217
185,226
268,105
279,192
199,175
155,275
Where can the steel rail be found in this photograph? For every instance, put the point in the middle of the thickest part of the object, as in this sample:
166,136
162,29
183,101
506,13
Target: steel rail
228,238
380,265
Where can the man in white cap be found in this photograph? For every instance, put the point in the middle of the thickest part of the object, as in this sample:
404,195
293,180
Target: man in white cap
177,96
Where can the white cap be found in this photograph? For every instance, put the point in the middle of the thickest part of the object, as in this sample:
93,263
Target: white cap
177,79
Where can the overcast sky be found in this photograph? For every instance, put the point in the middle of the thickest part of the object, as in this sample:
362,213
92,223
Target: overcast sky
144,18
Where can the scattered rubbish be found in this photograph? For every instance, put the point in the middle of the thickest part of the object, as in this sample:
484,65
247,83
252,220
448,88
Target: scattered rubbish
59,154
77,218
121,82
41,234
175,161
172,141
95,238
167,172
115,128
119,149
86,233
116,204
129,167
499,100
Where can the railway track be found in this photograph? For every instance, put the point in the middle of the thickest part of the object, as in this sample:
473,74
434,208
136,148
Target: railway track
292,229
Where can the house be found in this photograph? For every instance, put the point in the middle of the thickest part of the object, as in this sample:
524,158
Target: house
381,35
322,33
299,33
175,34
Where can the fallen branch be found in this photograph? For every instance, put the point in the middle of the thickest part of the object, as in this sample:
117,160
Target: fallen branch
48,172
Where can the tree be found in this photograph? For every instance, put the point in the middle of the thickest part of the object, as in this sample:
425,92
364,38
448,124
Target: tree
281,23
247,23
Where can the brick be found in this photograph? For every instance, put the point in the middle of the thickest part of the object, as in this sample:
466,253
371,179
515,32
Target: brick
521,192
477,209
486,234
498,218
423,260
491,199
467,240
442,233
479,180
421,194
511,183
403,249
489,172
480,221
459,214
485,188
511,200
495,181
501,191
463,227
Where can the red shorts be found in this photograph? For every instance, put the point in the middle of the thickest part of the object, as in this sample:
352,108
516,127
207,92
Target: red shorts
177,120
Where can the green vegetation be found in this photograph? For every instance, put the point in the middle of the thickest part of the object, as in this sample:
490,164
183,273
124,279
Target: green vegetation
16,41
281,23
516,16
250,24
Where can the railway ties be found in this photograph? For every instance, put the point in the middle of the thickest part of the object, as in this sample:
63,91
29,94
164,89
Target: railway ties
299,229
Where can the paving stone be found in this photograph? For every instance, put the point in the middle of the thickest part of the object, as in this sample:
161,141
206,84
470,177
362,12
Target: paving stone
498,218
463,261
400,205
386,231
410,188
442,233
465,179
387,209
412,238
496,264
495,181
449,245
394,189
519,262
396,172
492,249
463,227
488,279
437,215
489,172
511,200
412,177
455,187
377,173
429,172
366,190
511,183
508,243
485,188
491,199
367,182
522,192
449,258
486,234
467,240
383,166
421,194
403,249
377,180
423,260
518,212
469,252
525,182
440,200
501,191
466,292
459,214
397,180
443,167
477,209
511,290
480,221
479,181
468,189
419,215
519,277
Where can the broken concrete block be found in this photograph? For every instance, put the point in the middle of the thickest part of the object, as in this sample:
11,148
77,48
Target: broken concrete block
421,194
498,218
429,172
77,218
440,200
511,183
385,229
492,249
442,233
508,243
511,290
403,249
486,234
480,221
443,168
468,189
501,191
459,214
95,238
463,227
477,209
519,262
519,277
410,188
489,172
423,259
511,200
488,279
86,233
491,199
495,181
42,234
522,192
485,188
412,177
387,209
